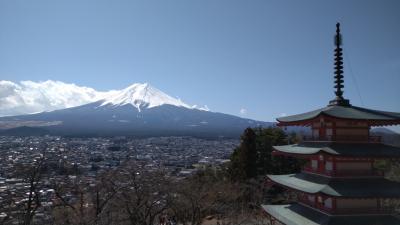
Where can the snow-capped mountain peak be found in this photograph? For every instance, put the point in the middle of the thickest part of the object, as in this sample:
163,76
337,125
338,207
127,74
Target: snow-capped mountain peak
141,96
27,97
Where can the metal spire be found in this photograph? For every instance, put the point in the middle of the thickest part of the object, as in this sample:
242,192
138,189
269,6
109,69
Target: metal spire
339,100
338,63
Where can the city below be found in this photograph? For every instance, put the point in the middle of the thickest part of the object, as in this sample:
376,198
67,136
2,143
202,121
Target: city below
178,157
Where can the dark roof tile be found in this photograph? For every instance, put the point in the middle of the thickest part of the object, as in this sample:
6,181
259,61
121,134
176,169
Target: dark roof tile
296,214
339,187
342,149
344,112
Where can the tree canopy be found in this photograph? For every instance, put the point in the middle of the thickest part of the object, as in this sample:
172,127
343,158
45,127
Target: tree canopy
253,157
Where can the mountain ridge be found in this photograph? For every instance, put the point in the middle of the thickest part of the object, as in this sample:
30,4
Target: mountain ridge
94,119
28,97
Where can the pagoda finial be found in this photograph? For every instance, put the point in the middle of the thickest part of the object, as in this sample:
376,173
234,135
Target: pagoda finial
338,63
339,100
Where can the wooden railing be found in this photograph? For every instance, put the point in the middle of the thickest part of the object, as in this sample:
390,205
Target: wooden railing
345,138
347,173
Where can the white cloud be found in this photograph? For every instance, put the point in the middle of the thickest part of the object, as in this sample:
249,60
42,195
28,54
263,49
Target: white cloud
243,111
30,97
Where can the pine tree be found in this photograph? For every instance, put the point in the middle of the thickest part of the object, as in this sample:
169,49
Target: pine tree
244,157
254,157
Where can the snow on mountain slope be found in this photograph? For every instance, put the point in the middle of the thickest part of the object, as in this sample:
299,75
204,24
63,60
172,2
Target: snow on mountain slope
142,96
27,97
138,110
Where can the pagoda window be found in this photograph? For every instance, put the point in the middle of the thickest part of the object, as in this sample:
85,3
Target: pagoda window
328,203
311,198
329,132
320,200
314,164
328,166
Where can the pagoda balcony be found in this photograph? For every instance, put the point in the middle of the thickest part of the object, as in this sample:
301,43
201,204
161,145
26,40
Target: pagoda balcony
345,173
344,138
346,211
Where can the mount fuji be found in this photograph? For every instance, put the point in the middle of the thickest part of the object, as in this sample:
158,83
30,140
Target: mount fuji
138,110
141,96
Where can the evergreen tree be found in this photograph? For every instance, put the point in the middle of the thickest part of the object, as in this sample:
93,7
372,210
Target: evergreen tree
244,157
254,155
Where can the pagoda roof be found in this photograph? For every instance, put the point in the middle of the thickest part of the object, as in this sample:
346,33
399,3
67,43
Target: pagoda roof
297,214
339,187
374,117
377,150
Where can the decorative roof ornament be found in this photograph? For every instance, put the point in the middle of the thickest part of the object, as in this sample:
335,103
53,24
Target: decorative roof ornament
338,63
339,100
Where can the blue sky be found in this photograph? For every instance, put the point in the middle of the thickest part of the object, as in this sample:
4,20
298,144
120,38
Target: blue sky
267,57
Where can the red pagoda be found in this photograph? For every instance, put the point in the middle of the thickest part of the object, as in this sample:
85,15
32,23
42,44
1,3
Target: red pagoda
339,184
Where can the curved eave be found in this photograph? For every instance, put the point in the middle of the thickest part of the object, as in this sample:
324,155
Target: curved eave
291,182
347,188
294,214
373,117
368,150
294,155
294,150
297,214
307,122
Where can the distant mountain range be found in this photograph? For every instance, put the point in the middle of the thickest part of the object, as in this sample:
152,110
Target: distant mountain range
139,110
